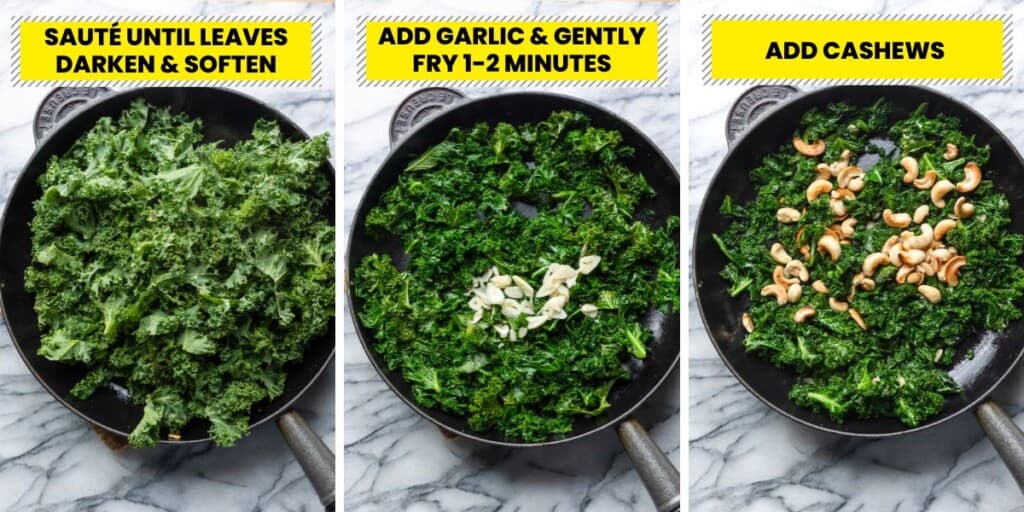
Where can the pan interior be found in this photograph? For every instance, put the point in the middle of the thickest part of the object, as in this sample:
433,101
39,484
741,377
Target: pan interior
227,117
994,353
522,108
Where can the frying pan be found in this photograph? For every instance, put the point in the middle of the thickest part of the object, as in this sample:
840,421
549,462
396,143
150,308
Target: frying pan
440,110
995,353
227,116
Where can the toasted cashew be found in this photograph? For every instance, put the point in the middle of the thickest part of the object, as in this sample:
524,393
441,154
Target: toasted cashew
927,181
894,255
872,262
951,151
944,226
780,278
838,305
902,273
915,277
819,286
922,241
926,268
942,255
848,174
814,149
794,292
844,193
748,323
891,241
930,292
803,314
817,188
774,290
856,318
939,192
796,268
962,209
830,245
972,178
838,208
824,171
921,213
846,228
805,251
787,215
896,220
951,270
909,164
856,185
778,253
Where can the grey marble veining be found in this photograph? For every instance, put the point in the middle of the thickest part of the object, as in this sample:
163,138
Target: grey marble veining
745,457
396,461
49,458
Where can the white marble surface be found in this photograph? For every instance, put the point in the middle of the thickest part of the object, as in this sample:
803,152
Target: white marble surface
745,457
49,458
396,461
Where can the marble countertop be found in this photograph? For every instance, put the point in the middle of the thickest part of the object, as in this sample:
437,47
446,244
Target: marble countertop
746,457
395,460
49,458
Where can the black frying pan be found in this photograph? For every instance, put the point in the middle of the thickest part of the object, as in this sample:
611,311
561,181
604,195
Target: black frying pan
996,354
660,477
227,116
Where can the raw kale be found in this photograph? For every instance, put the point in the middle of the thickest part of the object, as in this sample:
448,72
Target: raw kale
192,274
456,210
897,367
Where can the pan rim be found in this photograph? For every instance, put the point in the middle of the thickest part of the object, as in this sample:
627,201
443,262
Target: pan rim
392,153
700,306
3,221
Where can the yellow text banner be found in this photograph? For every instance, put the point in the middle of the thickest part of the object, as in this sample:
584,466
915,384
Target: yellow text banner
234,50
865,49
500,49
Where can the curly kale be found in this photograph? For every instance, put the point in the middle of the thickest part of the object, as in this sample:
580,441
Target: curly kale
190,273
897,366
518,198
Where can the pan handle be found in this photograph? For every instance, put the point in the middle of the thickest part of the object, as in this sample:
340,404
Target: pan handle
316,459
418,106
1005,435
658,474
753,104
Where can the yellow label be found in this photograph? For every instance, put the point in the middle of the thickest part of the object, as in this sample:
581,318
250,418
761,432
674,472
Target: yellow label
864,49
482,50
165,50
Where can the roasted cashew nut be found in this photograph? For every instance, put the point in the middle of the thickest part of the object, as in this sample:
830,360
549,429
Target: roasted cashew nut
909,164
927,181
944,226
896,220
778,253
814,149
817,188
803,314
962,209
939,192
972,178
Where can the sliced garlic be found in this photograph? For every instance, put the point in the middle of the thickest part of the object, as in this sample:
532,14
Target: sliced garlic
513,292
523,286
533,322
589,263
502,329
494,295
589,310
510,308
501,281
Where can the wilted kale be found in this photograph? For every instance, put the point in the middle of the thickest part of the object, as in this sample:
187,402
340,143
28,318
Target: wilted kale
897,366
190,273
519,198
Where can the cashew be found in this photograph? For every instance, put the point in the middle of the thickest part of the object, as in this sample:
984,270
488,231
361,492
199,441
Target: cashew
846,228
838,207
856,318
748,323
962,209
805,251
942,254
944,226
843,193
838,305
819,286
856,185
787,215
951,151
796,268
896,220
817,188
930,292
921,214
915,278
925,182
894,255
803,314
794,292
909,164
778,253
902,273
774,290
939,191
938,355
872,262
781,279
972,178
814,149
922,241
867,284
926,268
891,241
912,257
824,171
830,245
848,174
951,270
